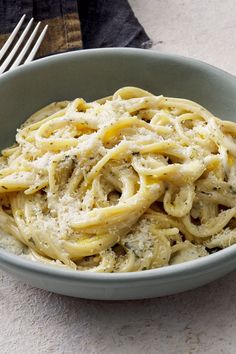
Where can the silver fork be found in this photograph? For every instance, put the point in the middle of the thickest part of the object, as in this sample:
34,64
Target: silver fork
24,50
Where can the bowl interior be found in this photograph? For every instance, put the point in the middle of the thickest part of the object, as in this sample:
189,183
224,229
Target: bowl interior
93,74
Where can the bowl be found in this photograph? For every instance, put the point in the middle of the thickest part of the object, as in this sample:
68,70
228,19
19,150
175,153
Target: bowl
93,74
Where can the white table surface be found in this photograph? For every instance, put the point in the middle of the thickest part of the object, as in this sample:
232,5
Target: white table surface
199,321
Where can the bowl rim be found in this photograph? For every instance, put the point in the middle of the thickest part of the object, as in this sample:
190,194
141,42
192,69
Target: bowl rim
181,270
186,269
115,50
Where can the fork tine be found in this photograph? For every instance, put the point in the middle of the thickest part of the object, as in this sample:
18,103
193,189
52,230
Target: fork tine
36,46
11,37
26,47
14,50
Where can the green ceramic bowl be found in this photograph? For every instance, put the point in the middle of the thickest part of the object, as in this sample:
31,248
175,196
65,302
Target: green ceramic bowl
93,74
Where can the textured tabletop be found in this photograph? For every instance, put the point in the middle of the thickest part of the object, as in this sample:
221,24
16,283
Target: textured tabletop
198,321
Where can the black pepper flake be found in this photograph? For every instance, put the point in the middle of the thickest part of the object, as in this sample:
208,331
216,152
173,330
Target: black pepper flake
32,241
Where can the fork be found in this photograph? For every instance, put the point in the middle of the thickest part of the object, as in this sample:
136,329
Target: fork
24,50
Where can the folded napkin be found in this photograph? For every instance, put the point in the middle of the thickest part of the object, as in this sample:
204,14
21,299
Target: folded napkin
76,24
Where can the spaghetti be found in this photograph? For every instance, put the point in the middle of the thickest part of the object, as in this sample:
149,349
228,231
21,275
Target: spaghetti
126,183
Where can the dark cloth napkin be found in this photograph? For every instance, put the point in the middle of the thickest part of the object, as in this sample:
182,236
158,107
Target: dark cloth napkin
76,24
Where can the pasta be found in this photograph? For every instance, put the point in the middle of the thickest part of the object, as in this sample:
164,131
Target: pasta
126,183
